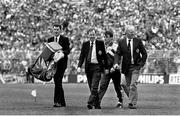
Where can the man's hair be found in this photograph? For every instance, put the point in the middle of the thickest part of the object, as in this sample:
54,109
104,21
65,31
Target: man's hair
129,28
65,25
90,29
57,25
108,33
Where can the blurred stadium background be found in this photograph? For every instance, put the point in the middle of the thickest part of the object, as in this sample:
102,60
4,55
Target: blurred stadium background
26,24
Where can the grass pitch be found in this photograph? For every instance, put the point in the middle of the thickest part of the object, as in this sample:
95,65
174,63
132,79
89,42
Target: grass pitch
154,99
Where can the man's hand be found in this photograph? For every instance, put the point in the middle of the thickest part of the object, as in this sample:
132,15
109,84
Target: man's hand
116,66
58,55
112,70
78,70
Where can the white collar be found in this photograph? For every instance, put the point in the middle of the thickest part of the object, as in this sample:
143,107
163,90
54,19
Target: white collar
127,39
93,42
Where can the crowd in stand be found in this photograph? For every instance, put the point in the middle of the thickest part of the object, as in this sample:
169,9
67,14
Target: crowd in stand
26,24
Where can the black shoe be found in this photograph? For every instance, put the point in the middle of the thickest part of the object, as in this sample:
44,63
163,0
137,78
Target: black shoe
97,107
131,106
119,105
57,105
63,105
89,106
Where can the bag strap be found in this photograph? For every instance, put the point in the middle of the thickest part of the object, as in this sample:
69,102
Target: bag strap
35,62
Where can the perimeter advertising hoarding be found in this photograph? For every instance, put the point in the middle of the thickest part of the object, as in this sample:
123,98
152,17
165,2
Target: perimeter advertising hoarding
81,78
152,78
174,79
143,78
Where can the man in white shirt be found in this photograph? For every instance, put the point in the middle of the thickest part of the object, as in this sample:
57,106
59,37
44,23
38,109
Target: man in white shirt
134,56
94,55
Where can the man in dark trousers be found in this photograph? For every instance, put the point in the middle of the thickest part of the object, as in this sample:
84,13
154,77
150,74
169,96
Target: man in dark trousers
59,100
94,54
134,56
115,75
